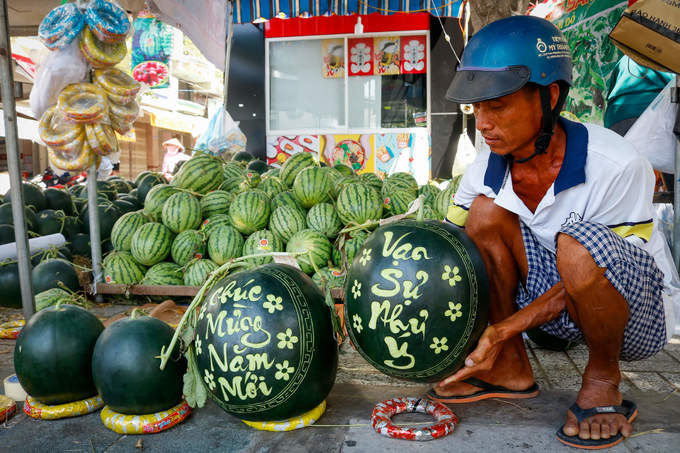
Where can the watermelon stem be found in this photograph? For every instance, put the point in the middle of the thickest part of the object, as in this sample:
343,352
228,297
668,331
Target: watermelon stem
421,209
188,321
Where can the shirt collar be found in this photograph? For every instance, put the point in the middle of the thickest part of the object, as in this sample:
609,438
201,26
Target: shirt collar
572,172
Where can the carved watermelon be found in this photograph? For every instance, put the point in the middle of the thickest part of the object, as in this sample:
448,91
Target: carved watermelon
416,299
264,344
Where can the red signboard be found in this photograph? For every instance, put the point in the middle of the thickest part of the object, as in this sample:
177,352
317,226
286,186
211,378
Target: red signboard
360,57
413,55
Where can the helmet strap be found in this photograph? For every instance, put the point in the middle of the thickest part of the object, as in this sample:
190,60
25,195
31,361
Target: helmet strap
547,127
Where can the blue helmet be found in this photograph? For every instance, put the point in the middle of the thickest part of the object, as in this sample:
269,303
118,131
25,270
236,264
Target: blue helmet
506,54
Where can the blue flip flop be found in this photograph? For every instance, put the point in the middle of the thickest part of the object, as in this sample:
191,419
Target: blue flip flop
627,408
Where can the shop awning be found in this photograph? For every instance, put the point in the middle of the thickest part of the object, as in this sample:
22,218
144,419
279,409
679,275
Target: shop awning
255,10
176,121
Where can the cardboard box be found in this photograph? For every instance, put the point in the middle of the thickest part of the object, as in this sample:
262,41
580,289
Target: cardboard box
649,33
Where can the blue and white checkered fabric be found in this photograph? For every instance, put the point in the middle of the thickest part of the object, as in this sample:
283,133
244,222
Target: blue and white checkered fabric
630,269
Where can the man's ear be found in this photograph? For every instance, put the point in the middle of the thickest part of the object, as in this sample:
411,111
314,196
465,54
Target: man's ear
554,94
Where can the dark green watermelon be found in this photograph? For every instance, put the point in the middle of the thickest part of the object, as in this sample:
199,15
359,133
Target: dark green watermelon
76,190
50,222
6,234
108,214
243,156
33,196
104,189
125,206
147,183
121,185
9,285
281,369
141,176
80,244
44,255
59,200
72,226
6,217
53,273
416,299
257,165
53,354
125,367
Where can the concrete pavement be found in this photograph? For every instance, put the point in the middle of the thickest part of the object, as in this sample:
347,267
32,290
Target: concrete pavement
501,425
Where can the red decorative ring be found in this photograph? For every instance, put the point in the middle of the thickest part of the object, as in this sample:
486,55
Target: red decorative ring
381,420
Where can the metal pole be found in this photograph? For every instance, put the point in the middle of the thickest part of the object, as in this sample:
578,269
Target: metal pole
227,53
95,236
675,97
14,166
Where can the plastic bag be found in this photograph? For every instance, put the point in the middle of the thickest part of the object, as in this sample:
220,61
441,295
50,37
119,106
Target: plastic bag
465,154
222,137
652,133
59,69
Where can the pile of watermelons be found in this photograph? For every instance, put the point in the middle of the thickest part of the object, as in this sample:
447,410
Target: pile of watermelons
214,211
54,277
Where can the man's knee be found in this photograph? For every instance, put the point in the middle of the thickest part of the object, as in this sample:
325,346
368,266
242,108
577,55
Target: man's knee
576,266
486,217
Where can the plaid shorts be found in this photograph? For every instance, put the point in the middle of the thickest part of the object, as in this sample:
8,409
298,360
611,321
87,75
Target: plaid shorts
630,269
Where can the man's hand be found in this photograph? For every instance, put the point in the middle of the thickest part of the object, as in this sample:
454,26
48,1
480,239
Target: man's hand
481,359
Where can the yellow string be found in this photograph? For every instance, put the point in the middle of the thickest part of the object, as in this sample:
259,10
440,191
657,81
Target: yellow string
410,11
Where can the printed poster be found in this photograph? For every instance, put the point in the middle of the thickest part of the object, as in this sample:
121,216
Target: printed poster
403,152
333,54
386,58
151,50
280,148
355,151
360,57
413,59
586,25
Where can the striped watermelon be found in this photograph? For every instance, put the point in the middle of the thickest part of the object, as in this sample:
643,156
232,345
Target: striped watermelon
397,201
359,203
403,180
340,184
286,199
181,212
124,228
250,211
198,271
344,169
271,185
202,173
189,244
312,243
294,165
263,241
232,169
164,274
216,202
224,243
251,181
156,198
311,186
444,199
151,243
330,277
351,247
285,221
430,213
271,172
430,192
213,222
372,180
324,219
122,268
233,184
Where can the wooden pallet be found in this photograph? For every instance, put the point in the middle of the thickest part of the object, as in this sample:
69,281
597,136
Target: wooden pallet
168,290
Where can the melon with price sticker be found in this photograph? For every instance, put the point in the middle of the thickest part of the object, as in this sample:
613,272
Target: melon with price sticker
283,362
416,299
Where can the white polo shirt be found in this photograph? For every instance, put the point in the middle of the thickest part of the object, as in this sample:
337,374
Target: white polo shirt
603,179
